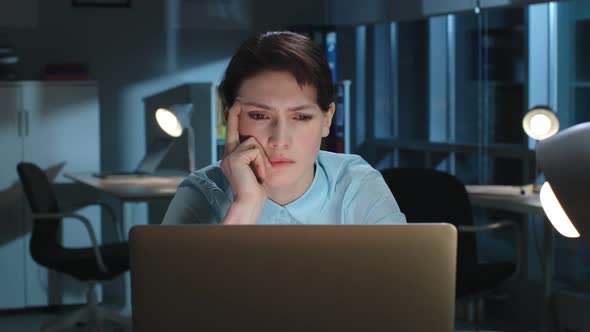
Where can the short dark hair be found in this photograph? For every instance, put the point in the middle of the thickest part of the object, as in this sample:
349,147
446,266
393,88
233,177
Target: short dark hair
282,51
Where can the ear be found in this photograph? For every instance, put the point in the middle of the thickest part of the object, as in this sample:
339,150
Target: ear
328,119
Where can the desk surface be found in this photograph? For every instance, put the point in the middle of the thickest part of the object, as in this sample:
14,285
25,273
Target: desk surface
138,188
529,203
132,188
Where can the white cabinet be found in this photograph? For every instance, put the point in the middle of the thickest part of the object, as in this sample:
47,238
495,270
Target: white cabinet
62,126
56,126
12,243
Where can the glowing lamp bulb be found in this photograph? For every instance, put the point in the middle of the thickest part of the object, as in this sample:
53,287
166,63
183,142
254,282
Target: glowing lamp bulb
555,213
168,122
540,124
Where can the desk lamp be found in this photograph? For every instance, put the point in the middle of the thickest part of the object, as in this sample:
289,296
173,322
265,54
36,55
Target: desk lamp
173,120
540,122
565,161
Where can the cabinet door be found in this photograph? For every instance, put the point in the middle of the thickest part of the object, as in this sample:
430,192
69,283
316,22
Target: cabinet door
63,127
12,243
62,135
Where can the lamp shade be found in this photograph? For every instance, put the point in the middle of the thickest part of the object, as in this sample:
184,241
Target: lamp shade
565,161
540,122
174,119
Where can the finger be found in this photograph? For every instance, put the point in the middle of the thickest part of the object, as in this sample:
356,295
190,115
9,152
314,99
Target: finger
256,157
253,142
249,156
233,138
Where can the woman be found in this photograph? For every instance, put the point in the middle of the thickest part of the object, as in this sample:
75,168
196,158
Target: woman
278,99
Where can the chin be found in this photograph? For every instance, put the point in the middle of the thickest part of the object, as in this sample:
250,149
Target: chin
285,177
278,180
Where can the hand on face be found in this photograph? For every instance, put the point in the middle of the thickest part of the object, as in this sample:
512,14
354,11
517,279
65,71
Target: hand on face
244,164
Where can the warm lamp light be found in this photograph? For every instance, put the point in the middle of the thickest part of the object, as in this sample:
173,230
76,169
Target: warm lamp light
558,218
540,122
174,119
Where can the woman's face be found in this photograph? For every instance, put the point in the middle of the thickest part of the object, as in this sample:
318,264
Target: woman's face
287,121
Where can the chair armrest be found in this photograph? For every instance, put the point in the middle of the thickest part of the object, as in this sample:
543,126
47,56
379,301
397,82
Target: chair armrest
497,225
489,227
89,229
109,209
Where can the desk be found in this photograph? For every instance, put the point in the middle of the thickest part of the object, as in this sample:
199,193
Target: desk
146,188
528,203
131,189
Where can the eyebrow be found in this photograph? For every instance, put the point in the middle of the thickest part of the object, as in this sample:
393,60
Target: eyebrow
269,108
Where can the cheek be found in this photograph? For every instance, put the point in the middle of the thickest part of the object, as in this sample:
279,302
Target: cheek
309,138
247,128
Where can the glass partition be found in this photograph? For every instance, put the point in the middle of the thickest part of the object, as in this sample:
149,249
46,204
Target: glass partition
449,92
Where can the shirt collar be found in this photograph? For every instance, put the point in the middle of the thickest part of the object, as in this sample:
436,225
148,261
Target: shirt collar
312,201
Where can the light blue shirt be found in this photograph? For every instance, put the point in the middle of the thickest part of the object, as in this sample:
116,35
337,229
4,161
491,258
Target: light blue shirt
345,190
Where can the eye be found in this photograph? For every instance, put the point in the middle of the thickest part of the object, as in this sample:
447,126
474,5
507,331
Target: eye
303,117
257,116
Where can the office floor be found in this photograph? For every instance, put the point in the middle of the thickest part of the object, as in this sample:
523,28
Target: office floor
31,320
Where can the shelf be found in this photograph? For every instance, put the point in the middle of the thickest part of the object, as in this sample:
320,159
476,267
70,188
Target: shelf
504,83
581,84
582,52
495,150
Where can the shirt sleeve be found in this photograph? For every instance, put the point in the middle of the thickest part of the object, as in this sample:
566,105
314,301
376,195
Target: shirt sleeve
196,202
371,202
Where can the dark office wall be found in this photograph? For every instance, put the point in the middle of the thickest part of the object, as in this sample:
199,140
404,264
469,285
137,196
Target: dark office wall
354,12
273,14
135,52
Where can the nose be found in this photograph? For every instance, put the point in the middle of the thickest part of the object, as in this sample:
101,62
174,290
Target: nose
280,137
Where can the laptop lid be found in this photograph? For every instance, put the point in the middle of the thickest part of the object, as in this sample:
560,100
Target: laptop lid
293,278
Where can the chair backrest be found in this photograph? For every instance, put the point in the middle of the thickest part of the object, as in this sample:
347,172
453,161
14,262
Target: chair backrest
428,195
42,199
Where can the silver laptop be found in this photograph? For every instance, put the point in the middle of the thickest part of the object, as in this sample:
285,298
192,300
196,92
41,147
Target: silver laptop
293,278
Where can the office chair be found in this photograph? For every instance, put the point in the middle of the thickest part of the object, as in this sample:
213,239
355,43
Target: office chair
428,195
91,264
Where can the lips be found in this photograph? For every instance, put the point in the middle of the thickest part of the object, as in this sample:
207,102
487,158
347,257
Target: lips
280,161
